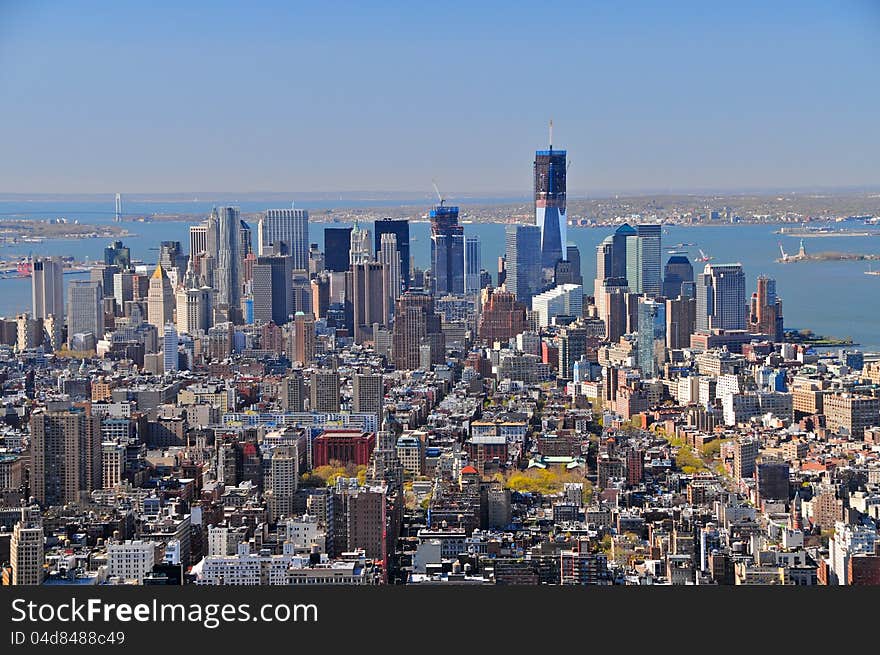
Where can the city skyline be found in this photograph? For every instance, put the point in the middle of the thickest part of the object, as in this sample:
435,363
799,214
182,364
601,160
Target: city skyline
686,98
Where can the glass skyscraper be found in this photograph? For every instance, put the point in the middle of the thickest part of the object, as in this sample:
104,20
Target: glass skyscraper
643,260
447,251
522,265
651,338
721,297
288,231
550,204
472,264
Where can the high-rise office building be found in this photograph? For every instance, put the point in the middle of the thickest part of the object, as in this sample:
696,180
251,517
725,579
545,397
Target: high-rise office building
416,324
193,310
227,277
26,551
170,357
400,230
360,249
171,257
337,246
721,298
677,271
765,310
550,217
123,289
198,239
643,264
681,316
47,284
472,264
119,255
651,337
324,391
84,309
573,257
160,299
367,296
389,256
285,232
272,288
619,244
523,268
368,393
447,251
65,455
573,344
613,307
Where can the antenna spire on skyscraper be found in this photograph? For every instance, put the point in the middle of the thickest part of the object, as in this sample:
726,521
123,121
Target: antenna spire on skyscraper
551,134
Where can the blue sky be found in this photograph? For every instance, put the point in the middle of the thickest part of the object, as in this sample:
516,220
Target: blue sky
305,96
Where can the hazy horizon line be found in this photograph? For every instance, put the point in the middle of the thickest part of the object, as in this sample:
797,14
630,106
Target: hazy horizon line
378,194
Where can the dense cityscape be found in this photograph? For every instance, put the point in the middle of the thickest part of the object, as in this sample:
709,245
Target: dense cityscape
252,410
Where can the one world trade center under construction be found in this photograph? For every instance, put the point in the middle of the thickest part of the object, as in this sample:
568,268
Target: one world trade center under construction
550,203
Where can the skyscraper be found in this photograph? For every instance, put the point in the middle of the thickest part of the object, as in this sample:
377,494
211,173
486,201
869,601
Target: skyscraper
568,270
66,455
285,232
366,292
292,393
651,337
272,288
677,271
283,482
303,350
472,264
26,552
604,268
117,255
550,215
160,299
680,322
84,309
361,246
721,298
447,251
193,309
325,391
368,393
337,245
47,284
171,257
227,277
573,344
523,268
613,307
618,239
643,267
170,357
416,324
765,315
400,229
389,256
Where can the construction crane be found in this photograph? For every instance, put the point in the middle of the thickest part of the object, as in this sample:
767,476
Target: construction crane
782,250
703,256
437,191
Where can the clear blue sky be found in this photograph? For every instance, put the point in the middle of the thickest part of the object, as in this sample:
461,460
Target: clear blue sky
314,96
